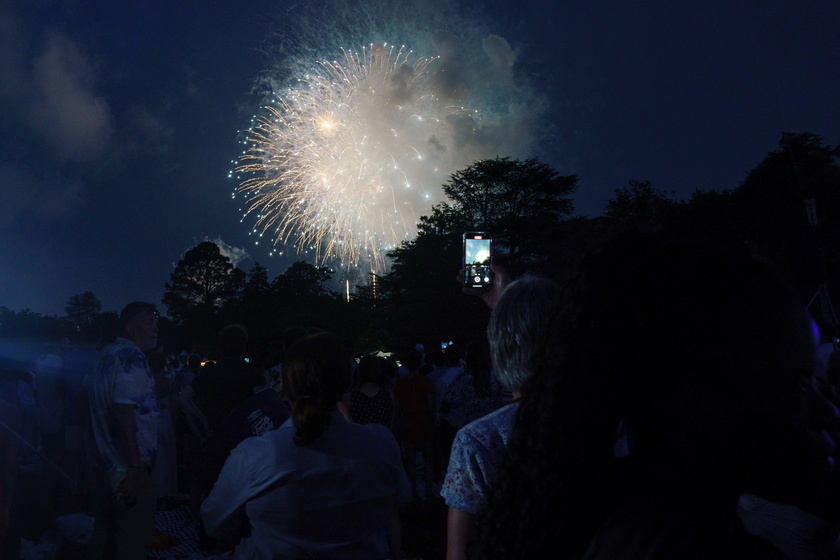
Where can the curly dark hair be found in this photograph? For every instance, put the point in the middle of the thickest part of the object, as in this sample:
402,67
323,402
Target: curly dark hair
373,369
316,373
649,332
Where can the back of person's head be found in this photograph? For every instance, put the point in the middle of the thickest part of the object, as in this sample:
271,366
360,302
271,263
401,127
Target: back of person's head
517,328
412,360
697,351
389,369
233,339
316,373
291,335
372,370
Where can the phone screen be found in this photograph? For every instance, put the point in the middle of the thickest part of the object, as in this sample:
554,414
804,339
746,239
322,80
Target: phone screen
478,251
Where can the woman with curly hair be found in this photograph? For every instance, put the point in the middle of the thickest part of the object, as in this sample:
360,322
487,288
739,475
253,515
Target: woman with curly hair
676,378
319,486
373,401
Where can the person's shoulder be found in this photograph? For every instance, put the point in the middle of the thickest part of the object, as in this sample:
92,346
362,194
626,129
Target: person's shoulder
125,351
258,455
500,421
371,431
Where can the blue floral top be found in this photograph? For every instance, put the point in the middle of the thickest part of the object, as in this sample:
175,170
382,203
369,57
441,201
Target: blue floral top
121,376
475,460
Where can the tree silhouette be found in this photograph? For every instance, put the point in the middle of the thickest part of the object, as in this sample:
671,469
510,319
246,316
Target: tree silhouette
642,206
302,280
520,202
792,202
256,287
202,282
524,204
83,308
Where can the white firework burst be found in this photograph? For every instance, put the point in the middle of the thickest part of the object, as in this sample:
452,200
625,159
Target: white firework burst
345,162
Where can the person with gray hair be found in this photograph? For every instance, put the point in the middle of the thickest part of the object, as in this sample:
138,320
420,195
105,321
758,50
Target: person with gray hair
517,326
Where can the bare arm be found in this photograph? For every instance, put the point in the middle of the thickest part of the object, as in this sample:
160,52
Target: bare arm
460,529
185,399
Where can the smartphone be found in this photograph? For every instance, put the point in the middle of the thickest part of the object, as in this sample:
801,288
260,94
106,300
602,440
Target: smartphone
477,258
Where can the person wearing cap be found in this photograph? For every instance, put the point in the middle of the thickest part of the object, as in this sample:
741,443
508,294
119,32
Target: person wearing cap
124,412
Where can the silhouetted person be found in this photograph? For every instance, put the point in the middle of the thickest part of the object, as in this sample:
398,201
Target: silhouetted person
319,486
675,378
124,412
516,334
220,386
75,371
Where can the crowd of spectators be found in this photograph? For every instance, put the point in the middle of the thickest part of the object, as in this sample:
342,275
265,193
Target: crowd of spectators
669,400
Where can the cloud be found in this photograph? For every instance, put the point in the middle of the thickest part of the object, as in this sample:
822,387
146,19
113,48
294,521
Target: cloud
66,110
235,254
49,86
499,51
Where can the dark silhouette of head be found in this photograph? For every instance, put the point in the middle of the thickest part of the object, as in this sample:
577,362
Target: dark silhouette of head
233,340
316,373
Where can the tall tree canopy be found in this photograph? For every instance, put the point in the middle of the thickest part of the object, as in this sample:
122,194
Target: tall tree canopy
791,212
520,202
523,204
641,205
302,280
204,280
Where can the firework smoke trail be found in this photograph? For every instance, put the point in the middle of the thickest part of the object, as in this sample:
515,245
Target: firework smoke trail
345,160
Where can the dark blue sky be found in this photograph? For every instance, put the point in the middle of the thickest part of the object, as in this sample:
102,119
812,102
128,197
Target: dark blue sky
118,121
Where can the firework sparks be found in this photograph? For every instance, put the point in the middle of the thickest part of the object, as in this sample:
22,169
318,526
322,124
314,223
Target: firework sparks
345,163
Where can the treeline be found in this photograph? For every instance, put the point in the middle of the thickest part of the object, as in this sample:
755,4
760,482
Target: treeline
786,212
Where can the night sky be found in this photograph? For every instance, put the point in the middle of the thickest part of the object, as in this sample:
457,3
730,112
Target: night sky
119,121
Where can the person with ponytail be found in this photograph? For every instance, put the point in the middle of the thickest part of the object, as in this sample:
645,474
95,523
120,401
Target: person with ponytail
319,486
